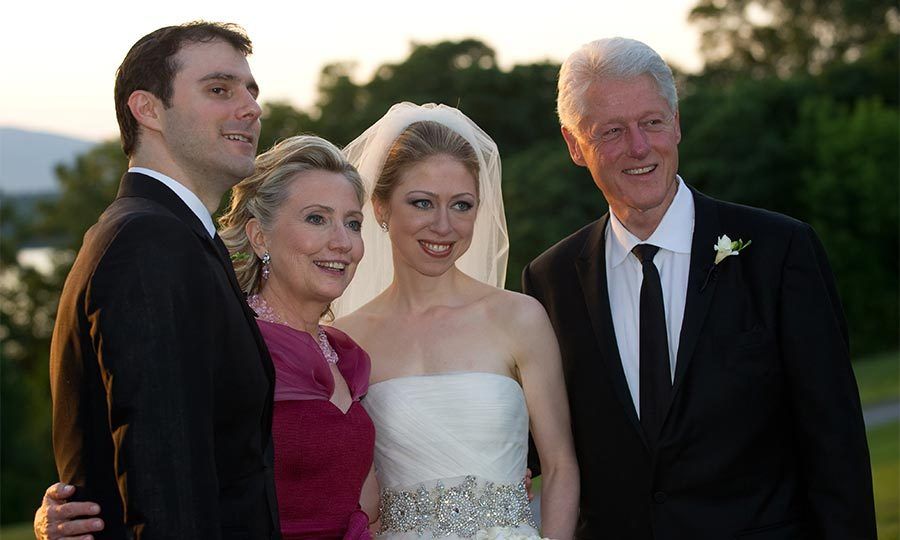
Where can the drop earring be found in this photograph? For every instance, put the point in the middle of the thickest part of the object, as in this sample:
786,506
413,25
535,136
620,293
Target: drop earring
266,259
384,226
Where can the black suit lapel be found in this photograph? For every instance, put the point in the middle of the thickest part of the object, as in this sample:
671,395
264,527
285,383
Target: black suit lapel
140,185
591,267
225,260
701,282
145,187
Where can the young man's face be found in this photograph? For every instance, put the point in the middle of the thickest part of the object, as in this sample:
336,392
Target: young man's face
212,127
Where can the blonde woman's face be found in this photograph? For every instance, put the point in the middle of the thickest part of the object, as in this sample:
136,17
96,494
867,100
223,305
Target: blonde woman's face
316,242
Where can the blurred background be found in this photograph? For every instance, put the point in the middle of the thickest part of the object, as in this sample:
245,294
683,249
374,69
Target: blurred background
791,105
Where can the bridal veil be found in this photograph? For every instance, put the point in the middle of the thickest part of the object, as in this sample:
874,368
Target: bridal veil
486,257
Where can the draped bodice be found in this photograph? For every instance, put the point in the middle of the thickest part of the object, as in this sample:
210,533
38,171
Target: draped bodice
448,425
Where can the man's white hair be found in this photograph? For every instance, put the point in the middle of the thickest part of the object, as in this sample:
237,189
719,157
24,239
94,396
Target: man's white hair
609,58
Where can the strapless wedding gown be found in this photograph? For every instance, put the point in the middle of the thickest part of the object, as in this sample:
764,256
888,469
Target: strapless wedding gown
450,454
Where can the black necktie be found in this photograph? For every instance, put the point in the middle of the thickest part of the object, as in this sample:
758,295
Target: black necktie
655,375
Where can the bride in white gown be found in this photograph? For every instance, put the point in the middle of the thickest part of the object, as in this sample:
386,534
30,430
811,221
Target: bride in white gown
460,367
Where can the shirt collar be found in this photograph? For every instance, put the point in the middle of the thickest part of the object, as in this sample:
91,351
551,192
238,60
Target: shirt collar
186,195
674,232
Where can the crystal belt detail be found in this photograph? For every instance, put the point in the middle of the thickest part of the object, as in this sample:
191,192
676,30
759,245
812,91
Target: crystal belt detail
461,510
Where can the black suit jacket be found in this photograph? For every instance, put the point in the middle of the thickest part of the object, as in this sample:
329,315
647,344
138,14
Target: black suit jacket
764,438
161,383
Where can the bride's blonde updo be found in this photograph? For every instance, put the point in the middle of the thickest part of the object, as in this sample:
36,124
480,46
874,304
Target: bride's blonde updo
261,195
418,142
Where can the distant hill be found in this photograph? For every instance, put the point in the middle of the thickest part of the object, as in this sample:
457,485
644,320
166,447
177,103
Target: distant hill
27,159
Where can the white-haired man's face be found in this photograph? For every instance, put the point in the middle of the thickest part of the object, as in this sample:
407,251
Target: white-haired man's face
628,139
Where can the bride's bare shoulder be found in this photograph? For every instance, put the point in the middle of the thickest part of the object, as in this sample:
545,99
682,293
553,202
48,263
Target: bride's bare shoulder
518,310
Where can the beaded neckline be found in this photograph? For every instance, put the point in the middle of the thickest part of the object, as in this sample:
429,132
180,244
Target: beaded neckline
265,312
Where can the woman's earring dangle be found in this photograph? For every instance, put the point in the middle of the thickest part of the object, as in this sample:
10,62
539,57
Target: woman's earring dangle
384,226
266,259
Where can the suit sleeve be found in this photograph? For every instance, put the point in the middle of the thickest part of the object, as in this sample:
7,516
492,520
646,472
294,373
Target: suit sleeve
156,351
528,287
825,398
527,281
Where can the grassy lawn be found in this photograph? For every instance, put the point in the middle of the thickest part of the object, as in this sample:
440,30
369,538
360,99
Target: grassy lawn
17,532
879,381
884,447
878,377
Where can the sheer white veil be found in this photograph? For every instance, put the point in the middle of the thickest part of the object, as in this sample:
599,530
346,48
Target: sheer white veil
486,257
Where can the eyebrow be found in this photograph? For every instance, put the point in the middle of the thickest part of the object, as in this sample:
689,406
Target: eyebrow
319,206
435,195
223,76
328,209
649,112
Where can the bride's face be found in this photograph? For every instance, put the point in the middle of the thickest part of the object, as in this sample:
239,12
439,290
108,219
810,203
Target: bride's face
431,214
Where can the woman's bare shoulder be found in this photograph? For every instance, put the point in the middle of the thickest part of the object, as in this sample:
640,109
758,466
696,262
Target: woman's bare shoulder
516,308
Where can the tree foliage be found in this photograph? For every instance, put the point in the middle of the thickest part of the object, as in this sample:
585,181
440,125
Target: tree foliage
850,189
28,301
762,38
547,197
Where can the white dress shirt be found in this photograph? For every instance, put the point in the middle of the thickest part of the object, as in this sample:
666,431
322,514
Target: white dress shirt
624,278
189,197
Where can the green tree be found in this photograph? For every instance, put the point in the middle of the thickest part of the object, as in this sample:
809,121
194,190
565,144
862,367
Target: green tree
787,37
27,310
515,107
850,187
28,301
280,121
547,198
85,189
736,142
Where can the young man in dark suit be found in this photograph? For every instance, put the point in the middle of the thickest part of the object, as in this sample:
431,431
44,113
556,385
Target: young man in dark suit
709,378
161,383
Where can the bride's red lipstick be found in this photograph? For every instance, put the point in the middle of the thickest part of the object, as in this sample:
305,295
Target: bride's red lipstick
439,250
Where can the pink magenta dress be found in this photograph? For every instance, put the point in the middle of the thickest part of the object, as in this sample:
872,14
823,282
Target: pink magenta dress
322,455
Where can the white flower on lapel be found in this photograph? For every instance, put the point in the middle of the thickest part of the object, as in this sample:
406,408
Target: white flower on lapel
725,247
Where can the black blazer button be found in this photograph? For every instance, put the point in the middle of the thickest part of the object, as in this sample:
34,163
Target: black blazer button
660,497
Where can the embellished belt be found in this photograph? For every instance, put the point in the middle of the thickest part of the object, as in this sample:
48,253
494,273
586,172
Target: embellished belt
461,510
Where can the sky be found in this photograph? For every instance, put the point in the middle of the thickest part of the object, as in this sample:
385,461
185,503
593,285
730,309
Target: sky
58,71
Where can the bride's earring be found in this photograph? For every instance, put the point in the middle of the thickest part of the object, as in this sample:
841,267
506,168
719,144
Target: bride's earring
384,226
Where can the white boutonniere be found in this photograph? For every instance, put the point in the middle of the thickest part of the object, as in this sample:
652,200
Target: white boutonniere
726,247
